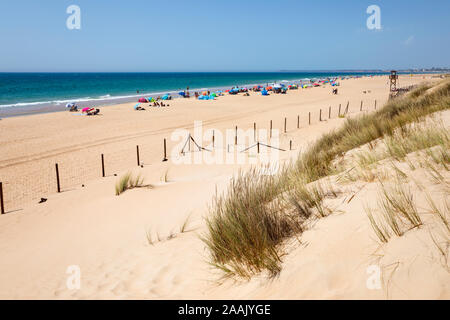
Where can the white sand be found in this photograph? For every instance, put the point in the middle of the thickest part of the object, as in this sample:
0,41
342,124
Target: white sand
105,235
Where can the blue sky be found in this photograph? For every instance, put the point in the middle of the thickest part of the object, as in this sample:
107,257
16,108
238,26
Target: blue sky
213,35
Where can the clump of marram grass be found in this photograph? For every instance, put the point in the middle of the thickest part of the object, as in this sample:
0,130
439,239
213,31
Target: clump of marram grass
304,198
248,225
399,212
128,181
398,200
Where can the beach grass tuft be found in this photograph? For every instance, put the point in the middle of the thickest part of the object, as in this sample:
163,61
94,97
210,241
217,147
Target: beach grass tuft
128,181
248,225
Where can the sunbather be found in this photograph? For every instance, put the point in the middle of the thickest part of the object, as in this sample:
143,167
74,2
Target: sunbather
93,112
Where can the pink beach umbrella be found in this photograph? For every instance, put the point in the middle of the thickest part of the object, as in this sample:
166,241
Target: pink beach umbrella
85,109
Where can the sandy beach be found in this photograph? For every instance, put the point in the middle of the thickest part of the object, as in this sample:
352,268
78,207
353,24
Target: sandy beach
107,236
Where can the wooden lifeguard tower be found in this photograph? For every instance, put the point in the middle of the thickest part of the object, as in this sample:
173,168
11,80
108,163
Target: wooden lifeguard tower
393,83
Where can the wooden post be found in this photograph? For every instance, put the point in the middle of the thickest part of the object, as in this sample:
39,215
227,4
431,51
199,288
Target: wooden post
257,145
103,165
309,116
290,144
213,138
270,128
346,109
339,110
235,137
320,115
254,131
58,186
165,151
2,205
360,108
298,121
189,142
285,124
137,156
375,104
329,112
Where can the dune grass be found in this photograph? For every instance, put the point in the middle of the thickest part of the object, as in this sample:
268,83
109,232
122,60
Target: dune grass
398,201
248,225
442,212
128,181
414,138
183,229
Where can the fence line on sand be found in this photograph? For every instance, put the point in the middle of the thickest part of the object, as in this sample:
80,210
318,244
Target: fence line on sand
34,180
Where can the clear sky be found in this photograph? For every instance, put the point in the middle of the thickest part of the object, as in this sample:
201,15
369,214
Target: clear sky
214,35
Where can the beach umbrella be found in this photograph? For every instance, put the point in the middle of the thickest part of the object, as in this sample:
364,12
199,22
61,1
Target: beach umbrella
264,93
70,105
85,109
136,106
182,93
143,100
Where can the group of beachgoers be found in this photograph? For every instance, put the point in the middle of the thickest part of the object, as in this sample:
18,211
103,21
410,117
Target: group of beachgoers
88,111
208,95
153,102
264,90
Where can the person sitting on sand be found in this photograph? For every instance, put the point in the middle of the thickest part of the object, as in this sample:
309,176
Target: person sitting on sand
73,108
93,112
138,108
162,104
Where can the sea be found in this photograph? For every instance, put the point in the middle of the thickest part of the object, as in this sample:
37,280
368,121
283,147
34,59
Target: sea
28,93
